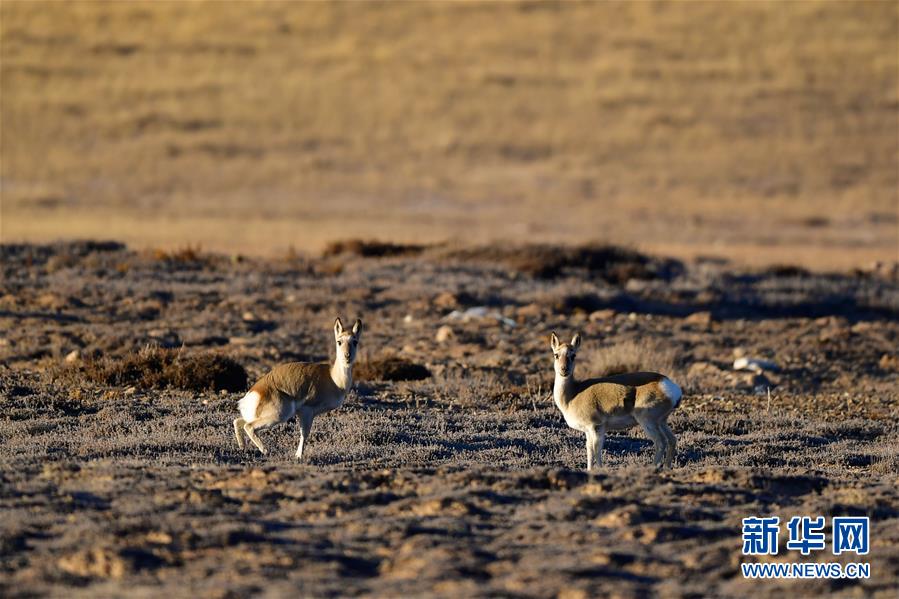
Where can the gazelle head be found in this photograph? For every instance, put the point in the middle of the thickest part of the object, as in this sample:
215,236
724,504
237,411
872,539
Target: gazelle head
564,354
347,341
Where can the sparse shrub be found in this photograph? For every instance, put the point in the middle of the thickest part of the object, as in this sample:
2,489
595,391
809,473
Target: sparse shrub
390,369
371,249
156,368
332,266
186,256
786,270
584,302
611,263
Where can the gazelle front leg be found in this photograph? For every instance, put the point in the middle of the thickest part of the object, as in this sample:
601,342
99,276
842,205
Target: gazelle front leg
305,428
591,445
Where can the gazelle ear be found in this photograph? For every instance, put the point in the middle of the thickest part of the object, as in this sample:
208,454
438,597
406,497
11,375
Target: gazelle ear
576,341
338,327
554,341
357,327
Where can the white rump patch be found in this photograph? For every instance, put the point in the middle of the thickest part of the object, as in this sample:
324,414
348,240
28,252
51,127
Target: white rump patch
248,404
671,391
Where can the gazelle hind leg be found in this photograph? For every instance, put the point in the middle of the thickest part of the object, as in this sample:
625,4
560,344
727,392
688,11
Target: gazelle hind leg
599,438
238,431
659,441
248,428
672,443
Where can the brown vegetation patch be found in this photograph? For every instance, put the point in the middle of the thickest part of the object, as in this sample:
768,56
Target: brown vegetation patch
614,264
187,255
371,249
156,368
390,369
786,270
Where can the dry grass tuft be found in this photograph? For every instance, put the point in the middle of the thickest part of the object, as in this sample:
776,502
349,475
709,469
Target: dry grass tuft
390,369
187,254
157,368
371,249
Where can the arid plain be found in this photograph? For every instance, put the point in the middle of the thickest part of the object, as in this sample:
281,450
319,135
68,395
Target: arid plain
683,183
758,131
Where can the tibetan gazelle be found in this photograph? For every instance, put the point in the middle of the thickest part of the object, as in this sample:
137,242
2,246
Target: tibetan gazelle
595,406
303,388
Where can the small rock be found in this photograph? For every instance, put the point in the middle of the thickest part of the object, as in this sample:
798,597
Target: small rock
831,321
159,538
51,301
699,318
446,300
863,327
529,311
249,316
444,333
72,356
100,563
600,315
480,313
889,362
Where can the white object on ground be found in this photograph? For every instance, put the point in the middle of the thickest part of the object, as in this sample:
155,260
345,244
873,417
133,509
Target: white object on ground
755,365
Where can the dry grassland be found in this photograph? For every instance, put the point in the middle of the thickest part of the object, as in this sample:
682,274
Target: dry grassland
755,130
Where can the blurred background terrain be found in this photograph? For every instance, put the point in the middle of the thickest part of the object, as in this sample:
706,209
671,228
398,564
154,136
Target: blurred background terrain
762,132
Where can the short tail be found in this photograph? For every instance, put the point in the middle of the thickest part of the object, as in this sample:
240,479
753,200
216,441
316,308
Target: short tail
671,391
247,406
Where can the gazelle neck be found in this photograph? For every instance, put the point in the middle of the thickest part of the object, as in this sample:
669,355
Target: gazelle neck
342,373
562,388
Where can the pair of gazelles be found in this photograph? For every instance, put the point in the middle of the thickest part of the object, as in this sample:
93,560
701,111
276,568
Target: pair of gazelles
591,406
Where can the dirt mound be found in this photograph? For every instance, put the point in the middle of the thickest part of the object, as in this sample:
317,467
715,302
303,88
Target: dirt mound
156,368
611,263
64,253
370,249
390,369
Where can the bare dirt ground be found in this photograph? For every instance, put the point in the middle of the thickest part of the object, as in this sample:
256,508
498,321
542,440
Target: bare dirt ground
466,482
